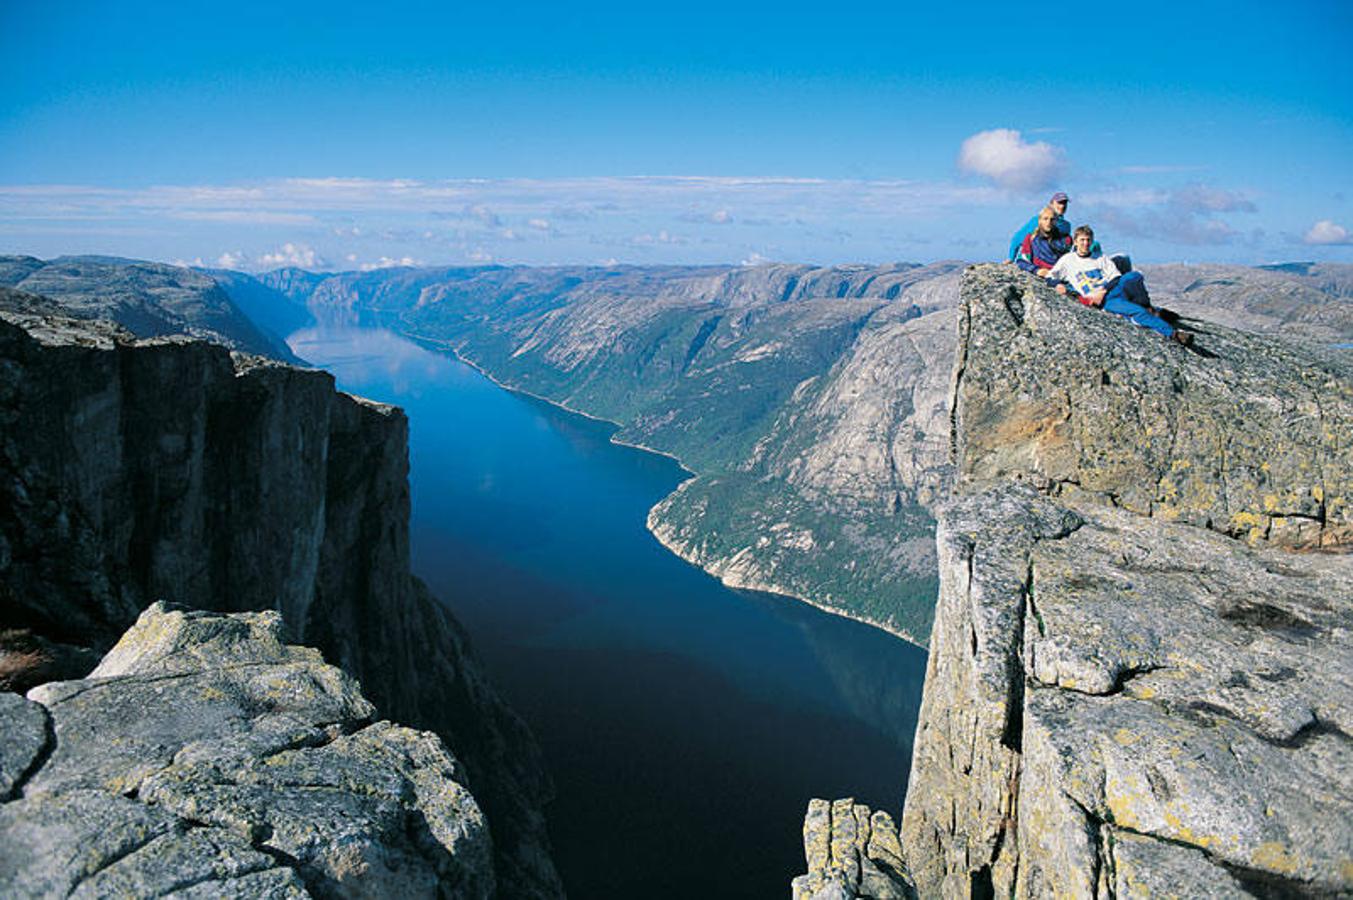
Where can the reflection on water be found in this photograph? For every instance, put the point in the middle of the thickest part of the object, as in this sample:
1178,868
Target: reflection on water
686,725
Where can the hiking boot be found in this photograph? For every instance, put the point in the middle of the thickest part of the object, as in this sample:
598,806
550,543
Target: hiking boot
1184,338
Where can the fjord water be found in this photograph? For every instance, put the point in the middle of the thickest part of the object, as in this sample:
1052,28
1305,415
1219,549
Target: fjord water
685,725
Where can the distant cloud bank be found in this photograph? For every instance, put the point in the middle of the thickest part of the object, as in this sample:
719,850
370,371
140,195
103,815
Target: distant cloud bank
364,223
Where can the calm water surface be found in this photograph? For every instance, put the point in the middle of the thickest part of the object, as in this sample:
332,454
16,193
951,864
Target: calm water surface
686,725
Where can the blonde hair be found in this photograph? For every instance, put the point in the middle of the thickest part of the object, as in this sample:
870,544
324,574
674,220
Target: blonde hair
1050,213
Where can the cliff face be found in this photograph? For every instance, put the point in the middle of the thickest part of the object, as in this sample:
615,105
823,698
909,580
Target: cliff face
167,469
1251,439
205,757
1135,685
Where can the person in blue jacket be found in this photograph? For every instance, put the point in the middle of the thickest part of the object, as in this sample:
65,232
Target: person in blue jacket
1058,205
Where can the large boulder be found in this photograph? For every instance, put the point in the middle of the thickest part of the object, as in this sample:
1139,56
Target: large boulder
1137,684
207,756
1248,435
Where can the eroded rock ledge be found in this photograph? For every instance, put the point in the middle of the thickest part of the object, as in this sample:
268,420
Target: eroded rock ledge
1137,685
205,757
135,470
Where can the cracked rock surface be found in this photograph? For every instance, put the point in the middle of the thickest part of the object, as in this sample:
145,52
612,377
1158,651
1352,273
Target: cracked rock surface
852,852
206,757
250,485
1128,695
1250,435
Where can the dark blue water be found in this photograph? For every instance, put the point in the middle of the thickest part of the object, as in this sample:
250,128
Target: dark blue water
686,725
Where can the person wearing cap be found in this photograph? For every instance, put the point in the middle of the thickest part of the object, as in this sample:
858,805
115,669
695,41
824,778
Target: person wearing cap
1058,205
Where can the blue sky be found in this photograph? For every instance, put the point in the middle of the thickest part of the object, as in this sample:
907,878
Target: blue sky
252,135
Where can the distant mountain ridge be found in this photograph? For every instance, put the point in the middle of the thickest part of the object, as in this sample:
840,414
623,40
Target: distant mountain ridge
149,299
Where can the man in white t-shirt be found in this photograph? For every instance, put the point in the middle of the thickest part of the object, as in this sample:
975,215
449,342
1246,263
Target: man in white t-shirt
1096,281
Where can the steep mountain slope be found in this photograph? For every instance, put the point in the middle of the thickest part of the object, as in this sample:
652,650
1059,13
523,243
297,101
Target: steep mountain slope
812,403
718,366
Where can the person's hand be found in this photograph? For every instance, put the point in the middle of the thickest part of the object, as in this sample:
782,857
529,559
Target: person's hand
1097,298
1061,289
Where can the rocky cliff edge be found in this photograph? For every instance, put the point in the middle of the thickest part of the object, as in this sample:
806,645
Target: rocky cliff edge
1139,674
206,757
137,470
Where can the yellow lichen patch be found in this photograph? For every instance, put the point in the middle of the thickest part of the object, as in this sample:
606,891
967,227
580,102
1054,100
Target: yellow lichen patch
1124,737
1318,493
1275,857
1346,869
1145,693
1270,502
1123,804
1180,465
1167,512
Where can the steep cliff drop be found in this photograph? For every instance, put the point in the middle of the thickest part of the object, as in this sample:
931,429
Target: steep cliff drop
138,470
1138,673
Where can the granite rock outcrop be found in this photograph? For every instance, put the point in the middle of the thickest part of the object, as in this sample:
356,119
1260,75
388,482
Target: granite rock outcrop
1251,436
169,468
206,757
852,851
1137,684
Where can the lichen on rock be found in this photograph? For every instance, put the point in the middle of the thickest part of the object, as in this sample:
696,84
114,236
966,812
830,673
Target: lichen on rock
1128,695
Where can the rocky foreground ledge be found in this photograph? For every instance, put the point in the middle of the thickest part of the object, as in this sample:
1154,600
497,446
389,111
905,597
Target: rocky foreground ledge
133,470
1139,676
205,757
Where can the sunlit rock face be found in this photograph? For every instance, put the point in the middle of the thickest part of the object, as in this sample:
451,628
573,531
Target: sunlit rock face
1250,436
1138,673
206,755
169,468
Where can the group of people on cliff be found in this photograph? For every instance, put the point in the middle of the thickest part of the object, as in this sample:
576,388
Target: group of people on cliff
1073,263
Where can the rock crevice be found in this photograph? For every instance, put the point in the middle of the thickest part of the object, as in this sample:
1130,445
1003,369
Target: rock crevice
1138,673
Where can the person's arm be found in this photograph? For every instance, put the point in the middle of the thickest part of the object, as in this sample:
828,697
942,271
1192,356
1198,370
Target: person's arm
1024,231
1025,257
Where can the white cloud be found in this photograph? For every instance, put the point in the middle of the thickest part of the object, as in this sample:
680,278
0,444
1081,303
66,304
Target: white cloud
1326,232
290,254
243,216
228,260
539,224
480,255
386,262
1012,163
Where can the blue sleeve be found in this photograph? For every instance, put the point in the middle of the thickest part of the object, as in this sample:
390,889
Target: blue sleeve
1027,229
